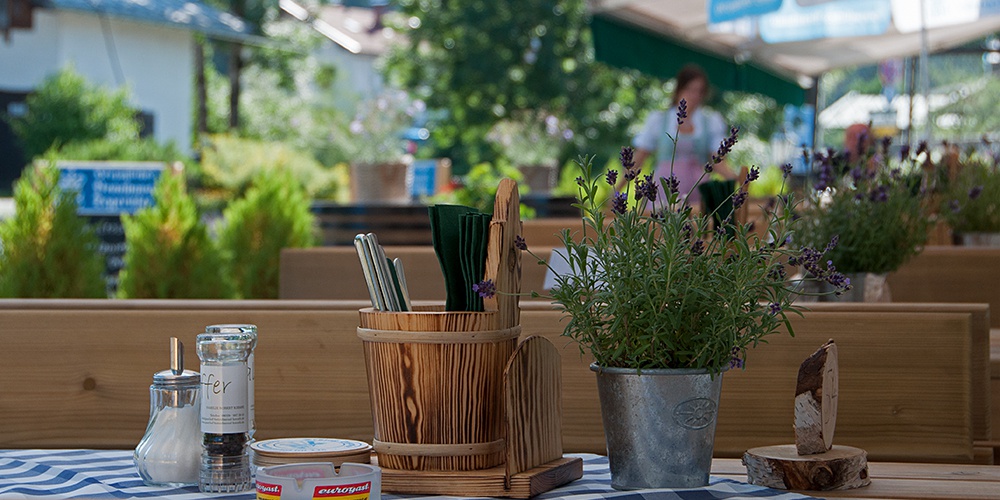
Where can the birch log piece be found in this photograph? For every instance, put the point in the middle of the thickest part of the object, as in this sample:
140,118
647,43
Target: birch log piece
816,401
841,468
813,463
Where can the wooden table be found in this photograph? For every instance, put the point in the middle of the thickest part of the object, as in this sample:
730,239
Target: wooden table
903,480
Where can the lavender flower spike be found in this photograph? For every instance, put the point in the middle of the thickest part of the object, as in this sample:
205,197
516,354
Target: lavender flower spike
619,203
626,157
519,243
682,111
611,177
485,289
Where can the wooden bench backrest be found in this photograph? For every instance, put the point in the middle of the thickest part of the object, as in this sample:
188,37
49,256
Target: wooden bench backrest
76,374
907,383
950,274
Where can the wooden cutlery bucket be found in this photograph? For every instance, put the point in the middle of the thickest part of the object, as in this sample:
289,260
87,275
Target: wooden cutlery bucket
435,380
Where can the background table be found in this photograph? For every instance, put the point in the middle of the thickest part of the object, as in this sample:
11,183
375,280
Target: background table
111,474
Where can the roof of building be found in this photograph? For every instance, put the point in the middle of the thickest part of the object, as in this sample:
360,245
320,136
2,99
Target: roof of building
358,30
189,14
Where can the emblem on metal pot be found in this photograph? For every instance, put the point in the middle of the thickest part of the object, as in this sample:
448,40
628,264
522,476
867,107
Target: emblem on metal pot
695,413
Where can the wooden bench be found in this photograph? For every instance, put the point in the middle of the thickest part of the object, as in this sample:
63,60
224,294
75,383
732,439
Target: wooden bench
76,374
950,274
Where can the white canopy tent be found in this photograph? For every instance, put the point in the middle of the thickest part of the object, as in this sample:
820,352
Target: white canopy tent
686,22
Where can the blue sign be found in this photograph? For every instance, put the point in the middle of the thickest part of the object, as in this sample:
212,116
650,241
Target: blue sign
720,11
799,124
847,18
110,188
989,8
424,178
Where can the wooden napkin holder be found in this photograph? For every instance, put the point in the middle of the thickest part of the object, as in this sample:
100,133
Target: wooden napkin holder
459,406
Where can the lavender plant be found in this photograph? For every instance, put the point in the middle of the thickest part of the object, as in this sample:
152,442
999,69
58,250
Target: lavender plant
877,209
657,286
971,198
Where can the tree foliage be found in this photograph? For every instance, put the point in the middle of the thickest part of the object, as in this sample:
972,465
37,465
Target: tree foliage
170,254
66,108
273,215
46,250
484,61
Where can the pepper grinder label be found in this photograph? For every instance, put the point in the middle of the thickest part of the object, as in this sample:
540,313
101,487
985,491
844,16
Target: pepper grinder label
224,399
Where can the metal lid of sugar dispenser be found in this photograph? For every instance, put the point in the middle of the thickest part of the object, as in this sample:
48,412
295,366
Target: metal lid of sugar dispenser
298,450
176,375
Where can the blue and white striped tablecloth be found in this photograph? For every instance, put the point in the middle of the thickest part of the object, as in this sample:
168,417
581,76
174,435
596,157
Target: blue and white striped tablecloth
111,474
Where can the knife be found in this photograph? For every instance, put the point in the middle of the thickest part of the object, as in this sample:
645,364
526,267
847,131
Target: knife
359,244
382,277
372,269
398,264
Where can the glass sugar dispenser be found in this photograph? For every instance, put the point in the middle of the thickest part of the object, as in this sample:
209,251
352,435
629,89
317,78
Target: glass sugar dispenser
169,453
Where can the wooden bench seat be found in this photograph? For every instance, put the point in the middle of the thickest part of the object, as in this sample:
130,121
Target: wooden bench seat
76,374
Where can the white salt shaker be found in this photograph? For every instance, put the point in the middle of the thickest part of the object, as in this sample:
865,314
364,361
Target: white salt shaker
170,451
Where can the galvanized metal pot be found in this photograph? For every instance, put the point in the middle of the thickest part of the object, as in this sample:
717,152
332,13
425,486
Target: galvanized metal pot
659,426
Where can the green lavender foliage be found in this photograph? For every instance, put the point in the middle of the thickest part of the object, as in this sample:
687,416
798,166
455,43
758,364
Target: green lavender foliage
971,200
657,287
273,215
46,250
877,210
170,254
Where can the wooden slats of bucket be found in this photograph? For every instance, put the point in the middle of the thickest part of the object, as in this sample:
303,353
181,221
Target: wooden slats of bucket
436,395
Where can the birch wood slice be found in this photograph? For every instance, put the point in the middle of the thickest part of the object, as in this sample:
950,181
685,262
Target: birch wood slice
781,467
816,401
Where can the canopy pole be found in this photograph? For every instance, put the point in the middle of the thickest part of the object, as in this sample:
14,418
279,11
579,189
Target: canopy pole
925,76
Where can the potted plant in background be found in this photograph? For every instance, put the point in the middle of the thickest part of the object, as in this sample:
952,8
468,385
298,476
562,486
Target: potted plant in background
373,141
970,202
665,303
877,209
532,142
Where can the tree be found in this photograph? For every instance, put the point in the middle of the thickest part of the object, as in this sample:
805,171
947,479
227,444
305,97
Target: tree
46,250
169,253
484,61
66,108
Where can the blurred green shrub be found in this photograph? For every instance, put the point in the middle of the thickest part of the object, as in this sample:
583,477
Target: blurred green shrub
145,149
66,108
230,163
479,188
273,215
46,250
169,253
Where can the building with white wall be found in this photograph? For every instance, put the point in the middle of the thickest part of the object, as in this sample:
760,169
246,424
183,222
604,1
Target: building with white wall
144,45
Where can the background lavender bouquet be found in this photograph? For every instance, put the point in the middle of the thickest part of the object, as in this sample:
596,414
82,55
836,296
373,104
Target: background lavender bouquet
878,210
971,197
657,286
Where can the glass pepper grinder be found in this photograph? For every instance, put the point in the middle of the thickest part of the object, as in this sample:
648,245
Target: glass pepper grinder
225,459
169,453
251,332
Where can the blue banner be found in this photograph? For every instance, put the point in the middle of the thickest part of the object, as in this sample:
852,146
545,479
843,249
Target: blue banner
729,10
846,18
110,188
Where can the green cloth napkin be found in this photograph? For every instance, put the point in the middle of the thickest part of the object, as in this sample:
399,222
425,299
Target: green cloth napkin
451,245
474,237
